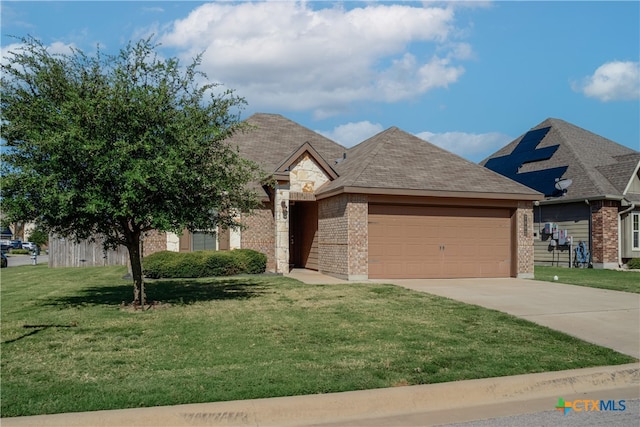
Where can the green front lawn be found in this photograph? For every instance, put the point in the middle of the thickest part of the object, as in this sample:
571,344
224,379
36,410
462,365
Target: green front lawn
626,281
69,345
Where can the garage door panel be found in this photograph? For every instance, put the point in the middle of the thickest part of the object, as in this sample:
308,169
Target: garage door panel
424,242
460,269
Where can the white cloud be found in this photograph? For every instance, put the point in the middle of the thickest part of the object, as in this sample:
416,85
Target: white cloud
612,81
18,48
156,9
5,51
60,48
471,146
350,134
287,55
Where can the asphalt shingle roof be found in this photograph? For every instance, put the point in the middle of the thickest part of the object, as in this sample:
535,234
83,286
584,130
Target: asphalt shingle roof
597,166
272,138
397,160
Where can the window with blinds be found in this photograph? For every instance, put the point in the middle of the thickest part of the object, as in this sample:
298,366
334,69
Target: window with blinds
201,241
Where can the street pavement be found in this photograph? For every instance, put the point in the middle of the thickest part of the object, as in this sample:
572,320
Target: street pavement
629,417
19,260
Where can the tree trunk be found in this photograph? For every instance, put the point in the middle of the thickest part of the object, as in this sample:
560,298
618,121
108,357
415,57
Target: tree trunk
135,257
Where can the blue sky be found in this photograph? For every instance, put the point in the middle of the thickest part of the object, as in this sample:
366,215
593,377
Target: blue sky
467,76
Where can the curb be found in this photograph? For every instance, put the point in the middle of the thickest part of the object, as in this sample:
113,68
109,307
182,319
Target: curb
357,405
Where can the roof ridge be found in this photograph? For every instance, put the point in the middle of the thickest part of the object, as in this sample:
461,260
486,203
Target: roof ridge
368,159
591,171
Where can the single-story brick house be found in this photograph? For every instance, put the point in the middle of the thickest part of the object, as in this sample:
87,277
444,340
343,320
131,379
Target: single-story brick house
592,192
394,206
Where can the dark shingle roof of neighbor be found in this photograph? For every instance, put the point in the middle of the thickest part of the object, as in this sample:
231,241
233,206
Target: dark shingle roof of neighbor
597,166
397,160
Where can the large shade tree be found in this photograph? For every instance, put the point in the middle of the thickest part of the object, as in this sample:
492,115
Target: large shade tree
115,146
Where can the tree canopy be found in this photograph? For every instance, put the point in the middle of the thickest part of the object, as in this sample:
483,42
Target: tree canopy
118,145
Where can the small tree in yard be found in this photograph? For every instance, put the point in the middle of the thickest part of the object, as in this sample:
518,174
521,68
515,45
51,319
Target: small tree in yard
116,146
38,236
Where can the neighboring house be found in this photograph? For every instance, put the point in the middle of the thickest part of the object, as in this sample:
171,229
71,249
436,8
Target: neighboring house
393,206
6,233
592,190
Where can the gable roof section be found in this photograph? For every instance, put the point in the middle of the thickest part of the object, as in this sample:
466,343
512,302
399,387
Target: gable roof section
598,167
271,138
619,174
283,169
396,162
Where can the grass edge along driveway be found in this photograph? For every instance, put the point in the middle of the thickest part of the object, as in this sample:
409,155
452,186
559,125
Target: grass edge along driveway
615,280
68,345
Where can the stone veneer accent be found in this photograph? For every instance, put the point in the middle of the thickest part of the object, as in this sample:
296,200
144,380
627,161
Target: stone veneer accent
281,217
259,235
305,176
343,243
524,240
604,234
173,242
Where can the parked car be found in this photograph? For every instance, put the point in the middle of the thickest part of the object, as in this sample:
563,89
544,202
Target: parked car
16,244
4,262
30,246
5,245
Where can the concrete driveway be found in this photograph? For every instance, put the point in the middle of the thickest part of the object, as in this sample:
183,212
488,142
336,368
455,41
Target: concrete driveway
607,318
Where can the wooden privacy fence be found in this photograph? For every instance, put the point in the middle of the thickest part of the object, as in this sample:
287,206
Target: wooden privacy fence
65,252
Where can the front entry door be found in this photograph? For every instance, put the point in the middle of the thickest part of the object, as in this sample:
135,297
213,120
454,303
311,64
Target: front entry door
303,235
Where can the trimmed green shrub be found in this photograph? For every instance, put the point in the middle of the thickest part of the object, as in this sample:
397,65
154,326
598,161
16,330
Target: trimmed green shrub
633,263
252,262
20,251
223,263
168,264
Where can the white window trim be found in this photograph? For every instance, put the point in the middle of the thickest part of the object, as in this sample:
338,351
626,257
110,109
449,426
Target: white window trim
634,231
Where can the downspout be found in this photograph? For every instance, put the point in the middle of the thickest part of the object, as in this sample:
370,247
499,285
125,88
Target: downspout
620,214
590,236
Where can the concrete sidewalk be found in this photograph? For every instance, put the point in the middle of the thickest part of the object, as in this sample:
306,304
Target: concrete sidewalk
423,405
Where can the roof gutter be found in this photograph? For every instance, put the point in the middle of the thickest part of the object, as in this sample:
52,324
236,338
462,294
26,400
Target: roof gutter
620,214
429,193
560,200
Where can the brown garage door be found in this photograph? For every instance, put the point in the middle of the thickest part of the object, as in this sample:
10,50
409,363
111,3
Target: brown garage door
438,242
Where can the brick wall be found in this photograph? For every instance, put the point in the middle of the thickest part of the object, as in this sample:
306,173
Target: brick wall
333,236
604,233
524,240
154,241
343,236
259,234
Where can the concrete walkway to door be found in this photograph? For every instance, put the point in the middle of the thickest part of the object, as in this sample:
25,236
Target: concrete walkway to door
607,318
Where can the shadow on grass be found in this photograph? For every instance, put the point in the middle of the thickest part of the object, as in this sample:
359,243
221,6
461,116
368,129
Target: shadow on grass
36,329
172,291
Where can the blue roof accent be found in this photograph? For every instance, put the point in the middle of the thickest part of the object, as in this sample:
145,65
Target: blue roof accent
527,152
6,233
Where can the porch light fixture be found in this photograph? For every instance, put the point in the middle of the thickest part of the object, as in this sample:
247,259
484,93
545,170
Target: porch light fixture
285,211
